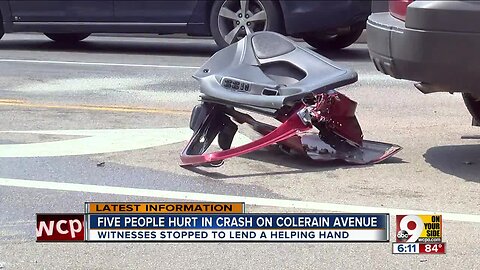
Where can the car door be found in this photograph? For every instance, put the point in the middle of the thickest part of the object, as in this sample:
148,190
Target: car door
61,10
154,11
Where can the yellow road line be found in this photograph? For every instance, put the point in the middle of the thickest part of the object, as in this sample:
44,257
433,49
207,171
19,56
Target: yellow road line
12,101
89,107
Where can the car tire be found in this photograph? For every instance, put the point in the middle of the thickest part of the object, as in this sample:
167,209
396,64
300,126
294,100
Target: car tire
473,106
228,17
2,32
67,37
328,42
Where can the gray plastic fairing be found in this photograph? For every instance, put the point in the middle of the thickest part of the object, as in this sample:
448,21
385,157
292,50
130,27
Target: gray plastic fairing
278,71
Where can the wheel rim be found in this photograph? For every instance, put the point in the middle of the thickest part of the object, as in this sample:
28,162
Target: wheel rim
237,19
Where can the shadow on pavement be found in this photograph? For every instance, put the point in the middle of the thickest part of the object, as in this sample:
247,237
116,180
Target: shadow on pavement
120,46
462,161
355,54
294,165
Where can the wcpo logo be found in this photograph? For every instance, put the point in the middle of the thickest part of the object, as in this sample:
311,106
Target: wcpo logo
419,228
60,227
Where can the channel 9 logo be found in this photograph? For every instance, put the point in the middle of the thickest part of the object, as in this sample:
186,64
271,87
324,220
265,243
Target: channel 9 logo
419,228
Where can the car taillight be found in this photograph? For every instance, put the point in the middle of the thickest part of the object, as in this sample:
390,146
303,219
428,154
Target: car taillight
398,8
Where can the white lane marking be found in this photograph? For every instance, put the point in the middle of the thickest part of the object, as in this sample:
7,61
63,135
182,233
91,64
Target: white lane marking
193,196
92,63
362,77
377,77
100,141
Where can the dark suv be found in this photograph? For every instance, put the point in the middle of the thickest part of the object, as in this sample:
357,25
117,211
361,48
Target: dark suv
323,24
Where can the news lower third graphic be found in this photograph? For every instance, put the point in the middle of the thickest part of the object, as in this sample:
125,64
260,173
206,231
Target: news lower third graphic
165,208
418,234
206,222
60,227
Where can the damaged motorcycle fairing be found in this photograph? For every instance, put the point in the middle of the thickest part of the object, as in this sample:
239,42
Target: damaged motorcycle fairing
267,73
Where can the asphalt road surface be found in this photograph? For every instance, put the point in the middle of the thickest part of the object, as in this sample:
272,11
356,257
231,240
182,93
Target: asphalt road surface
126,101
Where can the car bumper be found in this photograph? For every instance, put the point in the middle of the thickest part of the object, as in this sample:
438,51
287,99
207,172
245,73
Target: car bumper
445,60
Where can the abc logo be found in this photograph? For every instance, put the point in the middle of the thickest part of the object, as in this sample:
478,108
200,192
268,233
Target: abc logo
402,235
409,228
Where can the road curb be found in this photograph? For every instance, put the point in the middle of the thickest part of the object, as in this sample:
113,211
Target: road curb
361,40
